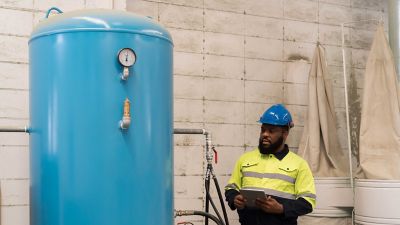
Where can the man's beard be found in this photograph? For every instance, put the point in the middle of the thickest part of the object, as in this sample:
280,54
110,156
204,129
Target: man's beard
272,148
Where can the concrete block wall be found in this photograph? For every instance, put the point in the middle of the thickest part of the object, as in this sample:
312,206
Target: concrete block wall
232,60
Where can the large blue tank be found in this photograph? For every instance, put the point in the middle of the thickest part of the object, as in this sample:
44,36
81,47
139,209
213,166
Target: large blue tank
85,169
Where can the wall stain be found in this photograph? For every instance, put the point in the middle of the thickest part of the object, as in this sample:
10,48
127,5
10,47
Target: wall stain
354,115
298,57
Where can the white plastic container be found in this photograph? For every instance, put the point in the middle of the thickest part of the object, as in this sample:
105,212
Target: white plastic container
377,202
334,197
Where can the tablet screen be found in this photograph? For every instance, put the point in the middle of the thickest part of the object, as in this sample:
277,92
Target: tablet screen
251,195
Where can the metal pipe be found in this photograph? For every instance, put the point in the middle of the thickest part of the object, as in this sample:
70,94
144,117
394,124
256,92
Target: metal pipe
209,153
347,104
189,131
347,109
347,98
209,173
209,158
14,129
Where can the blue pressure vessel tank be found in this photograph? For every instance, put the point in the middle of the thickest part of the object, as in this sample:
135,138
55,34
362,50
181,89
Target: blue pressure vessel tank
101,120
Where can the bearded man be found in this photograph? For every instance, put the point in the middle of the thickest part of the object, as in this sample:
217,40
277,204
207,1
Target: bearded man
283,176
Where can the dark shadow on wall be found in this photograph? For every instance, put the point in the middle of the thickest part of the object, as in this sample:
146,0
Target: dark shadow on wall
354,115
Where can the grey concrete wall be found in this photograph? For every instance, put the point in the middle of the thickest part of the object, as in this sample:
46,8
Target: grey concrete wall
232,60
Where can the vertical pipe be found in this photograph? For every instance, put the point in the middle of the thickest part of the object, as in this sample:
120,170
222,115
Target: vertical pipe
394,40
347,108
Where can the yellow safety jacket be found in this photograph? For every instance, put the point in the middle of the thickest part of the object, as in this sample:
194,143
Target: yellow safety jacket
289,178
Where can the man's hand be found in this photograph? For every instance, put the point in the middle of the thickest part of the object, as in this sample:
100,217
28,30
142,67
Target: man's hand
269,205
239,201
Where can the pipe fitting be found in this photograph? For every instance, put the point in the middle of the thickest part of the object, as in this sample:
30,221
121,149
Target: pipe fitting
15,129
208,146
125,74
209,153
125,123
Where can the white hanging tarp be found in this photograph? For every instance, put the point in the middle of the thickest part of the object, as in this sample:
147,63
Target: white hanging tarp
319,144
380,115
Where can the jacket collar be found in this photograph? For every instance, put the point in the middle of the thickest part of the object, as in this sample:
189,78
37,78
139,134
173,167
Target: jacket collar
280,155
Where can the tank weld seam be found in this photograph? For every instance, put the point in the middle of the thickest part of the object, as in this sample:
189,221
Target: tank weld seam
71,30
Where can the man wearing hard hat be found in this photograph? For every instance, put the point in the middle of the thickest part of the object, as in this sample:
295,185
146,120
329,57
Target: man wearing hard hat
283,176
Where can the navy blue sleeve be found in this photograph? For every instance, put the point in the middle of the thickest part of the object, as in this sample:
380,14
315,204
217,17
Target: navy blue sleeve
230,197
296,207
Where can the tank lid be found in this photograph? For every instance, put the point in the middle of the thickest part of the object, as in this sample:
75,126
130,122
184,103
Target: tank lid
99,20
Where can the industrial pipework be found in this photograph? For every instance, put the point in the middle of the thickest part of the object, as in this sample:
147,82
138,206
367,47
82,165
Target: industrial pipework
200,213
14,129
210,152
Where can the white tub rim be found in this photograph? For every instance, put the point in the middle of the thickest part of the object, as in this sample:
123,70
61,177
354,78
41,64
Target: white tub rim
375,183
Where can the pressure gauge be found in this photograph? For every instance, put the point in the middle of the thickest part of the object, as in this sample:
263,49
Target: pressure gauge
126,57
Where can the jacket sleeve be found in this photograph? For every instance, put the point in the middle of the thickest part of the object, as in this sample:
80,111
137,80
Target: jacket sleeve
296,207
230,197
304,186
234,184
305,192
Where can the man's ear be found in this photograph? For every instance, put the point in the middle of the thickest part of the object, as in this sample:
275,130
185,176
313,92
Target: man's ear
285,133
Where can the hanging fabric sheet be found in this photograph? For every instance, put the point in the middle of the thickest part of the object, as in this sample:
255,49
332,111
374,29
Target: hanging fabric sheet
380,115
319,144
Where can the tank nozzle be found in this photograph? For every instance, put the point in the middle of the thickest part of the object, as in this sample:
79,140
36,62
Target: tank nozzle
126,118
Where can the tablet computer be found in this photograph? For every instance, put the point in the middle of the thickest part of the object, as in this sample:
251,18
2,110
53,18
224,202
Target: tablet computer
251,195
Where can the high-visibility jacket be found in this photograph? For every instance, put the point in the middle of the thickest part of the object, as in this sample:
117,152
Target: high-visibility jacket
289,178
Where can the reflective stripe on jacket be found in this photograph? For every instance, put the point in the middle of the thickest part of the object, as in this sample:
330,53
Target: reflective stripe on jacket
289,178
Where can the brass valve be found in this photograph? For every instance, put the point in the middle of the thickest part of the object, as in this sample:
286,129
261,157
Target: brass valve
127,108
126,118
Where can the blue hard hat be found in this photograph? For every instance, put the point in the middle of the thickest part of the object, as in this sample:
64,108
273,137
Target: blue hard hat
277,115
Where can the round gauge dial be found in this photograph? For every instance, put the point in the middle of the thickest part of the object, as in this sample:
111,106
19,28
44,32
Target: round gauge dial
126,57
